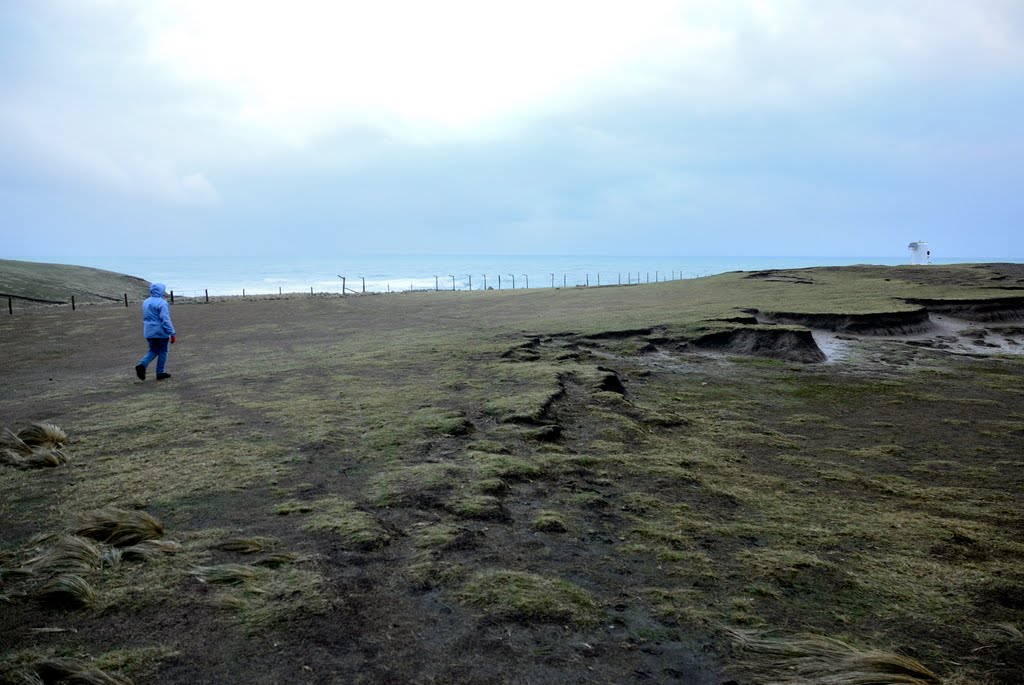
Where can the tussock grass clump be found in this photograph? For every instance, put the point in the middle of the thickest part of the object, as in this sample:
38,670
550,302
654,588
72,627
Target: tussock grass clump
243,545
428,575
477,507
529,597
505,466
12,443
71,553
120,527
224,574
38,446
67,590
358,530
44,435
549,522
817,660
45,457
417,485
149,549
278,559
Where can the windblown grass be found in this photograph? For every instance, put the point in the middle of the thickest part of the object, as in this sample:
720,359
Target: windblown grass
120,527
71,553
44,435
243,545
68,590
816,660
224,574
149,549
38,448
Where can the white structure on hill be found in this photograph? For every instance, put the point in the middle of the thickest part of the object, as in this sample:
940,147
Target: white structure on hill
920,253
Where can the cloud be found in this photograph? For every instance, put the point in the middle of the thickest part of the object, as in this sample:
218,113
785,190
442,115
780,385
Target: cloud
450,68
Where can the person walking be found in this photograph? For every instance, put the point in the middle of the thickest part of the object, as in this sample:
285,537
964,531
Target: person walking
158,331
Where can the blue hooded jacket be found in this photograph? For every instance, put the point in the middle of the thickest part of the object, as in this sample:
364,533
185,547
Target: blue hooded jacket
156,315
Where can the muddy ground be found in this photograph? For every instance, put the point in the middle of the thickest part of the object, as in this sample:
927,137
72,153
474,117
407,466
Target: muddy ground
469,496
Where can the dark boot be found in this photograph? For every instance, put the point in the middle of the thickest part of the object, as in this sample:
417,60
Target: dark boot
161,376
140,371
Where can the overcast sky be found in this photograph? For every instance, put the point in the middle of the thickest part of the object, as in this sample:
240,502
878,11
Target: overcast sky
639,127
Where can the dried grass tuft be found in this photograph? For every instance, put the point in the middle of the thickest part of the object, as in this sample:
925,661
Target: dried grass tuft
243,545
68,590
44,435
279,559
9,457
816,660
112,557
74,672
70,553
38,457
12,443
120,527
224,574
44,457
150,549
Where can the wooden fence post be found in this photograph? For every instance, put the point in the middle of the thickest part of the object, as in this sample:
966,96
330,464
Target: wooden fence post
172,297
72,303
126,300
207,291
10,307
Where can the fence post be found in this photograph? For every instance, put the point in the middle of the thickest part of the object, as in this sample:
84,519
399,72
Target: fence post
172,297
10,306
243,292
72,303
563,280
364,284
126,300
207,291
310,290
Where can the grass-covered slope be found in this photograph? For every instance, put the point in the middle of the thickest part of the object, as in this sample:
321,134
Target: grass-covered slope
543,486
56,283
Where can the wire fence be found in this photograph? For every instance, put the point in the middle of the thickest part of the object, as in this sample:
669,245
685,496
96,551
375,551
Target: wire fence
361,286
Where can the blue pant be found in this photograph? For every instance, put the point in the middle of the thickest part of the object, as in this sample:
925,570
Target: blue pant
158,351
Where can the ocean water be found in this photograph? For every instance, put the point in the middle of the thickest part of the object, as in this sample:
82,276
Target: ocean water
192,276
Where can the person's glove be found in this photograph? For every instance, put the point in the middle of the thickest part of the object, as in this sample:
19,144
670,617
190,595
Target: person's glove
172,339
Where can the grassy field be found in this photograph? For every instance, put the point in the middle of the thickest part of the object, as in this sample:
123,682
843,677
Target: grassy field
56,283
545,486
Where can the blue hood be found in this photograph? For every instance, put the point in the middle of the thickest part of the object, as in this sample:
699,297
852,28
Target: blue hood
156,314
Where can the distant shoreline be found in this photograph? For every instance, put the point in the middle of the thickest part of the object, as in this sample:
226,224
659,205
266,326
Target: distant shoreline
230,276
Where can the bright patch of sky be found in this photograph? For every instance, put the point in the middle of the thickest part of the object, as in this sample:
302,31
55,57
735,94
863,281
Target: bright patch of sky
746,127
